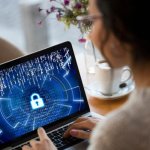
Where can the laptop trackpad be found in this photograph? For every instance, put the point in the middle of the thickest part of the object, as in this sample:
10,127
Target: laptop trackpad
80,146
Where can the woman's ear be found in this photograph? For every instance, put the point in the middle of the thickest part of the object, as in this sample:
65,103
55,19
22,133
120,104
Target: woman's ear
116,50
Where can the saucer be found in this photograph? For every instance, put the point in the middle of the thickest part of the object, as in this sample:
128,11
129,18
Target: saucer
125,89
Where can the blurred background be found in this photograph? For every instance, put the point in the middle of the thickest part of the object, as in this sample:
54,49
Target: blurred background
19,25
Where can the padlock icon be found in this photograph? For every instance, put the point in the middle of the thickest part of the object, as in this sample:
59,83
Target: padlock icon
36,101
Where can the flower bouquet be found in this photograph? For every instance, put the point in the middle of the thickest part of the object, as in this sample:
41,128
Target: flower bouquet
67,11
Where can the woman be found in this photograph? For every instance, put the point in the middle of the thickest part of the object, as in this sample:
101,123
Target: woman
121,31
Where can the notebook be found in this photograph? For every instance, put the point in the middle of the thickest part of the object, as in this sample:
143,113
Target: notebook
42,89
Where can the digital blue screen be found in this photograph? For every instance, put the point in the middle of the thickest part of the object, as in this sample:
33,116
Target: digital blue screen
38,92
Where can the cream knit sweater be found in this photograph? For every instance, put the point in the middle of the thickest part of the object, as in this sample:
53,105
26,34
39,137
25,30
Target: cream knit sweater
127,128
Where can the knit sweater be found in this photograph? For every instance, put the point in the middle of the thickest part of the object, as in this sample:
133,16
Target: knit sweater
128,128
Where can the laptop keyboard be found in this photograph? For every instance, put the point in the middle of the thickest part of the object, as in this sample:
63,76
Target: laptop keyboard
60,142
57,137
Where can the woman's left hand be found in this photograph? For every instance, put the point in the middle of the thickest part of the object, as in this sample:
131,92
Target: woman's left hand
44,144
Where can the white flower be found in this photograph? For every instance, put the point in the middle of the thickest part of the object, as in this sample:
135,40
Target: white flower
83,10
72,3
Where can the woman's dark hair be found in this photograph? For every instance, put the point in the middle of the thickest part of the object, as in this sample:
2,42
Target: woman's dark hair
128,20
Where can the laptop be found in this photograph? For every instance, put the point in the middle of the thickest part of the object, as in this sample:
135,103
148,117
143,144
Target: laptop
43,89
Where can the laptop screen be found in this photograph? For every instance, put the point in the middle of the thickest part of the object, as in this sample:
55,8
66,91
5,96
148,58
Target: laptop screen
39,89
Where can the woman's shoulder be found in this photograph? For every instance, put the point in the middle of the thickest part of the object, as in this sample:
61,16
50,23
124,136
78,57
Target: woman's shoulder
124,128
137,104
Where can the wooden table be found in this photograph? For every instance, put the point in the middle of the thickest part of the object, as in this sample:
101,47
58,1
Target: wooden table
103,107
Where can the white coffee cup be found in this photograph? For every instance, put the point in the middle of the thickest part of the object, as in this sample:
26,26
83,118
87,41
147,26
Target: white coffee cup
109,79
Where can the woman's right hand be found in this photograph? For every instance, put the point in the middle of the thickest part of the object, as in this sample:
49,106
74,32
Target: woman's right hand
82,127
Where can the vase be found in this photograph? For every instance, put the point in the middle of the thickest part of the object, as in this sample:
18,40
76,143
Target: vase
90,57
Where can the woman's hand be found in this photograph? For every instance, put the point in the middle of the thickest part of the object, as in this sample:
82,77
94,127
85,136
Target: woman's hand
44,144
82,128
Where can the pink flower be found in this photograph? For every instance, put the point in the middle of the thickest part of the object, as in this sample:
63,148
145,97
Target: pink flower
78,6
67,11
66,2
53,8
82,40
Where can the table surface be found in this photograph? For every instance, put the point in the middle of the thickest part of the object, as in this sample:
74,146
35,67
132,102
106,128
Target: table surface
104,107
